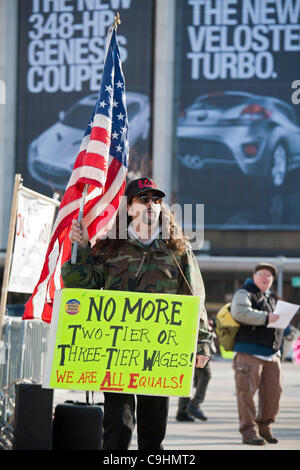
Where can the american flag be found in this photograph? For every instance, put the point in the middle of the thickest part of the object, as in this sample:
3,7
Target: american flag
102,164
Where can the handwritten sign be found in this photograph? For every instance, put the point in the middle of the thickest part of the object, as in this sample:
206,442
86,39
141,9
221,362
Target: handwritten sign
125,342
33,229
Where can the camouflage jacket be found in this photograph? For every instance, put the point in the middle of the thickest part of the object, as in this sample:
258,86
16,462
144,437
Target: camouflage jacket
141,269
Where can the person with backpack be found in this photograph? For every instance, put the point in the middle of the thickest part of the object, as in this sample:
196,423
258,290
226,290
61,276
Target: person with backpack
257,361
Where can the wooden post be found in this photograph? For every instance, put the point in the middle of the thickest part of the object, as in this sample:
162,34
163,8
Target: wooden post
9,249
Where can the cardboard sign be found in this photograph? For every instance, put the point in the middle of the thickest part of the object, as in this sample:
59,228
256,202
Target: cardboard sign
33,229
125,342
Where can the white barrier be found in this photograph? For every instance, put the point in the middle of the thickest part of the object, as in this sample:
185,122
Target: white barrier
25,345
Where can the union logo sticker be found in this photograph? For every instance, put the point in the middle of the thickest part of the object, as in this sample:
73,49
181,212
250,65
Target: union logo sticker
72,307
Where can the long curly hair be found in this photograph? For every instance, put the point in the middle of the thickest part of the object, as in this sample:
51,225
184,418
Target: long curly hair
172,235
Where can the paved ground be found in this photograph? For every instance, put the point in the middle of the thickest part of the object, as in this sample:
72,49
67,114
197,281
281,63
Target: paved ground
220,432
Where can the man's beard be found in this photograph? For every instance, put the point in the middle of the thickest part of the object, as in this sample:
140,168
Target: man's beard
146,225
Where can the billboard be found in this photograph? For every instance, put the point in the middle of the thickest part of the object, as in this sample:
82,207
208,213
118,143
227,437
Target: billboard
61,58
237,130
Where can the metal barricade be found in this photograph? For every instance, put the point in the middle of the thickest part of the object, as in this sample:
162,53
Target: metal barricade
25,348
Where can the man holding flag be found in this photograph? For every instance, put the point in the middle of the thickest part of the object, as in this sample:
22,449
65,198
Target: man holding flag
145,261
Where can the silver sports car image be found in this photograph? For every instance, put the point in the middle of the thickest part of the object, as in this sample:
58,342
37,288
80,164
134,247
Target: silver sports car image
51,156
258,134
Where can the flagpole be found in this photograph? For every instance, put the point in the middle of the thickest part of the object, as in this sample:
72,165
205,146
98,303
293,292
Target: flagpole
117,20
115,25
80,215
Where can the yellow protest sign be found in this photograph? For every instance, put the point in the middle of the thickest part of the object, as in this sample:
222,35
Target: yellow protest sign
125,342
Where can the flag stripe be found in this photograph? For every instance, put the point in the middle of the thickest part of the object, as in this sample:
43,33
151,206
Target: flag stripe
108,196
89,159
83,145
100,120
99,223
99,149
89,172
101,134
70,205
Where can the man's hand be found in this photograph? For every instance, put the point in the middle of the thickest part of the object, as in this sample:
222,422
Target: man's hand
79,233
272,317
201,361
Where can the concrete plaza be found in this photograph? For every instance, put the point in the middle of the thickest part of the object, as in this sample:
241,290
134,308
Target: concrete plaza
220,431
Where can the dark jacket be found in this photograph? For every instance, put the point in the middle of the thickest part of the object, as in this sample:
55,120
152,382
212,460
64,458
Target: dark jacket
253,319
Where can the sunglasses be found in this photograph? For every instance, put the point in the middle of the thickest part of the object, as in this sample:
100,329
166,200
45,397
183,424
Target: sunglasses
144,199
267,276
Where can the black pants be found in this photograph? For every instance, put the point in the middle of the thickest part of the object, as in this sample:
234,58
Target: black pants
119,420
202,378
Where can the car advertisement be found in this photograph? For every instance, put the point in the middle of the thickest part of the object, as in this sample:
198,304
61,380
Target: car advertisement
238,114
61,58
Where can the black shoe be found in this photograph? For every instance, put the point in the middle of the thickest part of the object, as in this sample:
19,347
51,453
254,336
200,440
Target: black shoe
269,438
184,417
256,441
196,412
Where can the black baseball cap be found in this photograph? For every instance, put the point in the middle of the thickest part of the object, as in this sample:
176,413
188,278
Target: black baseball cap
141,185
268,266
